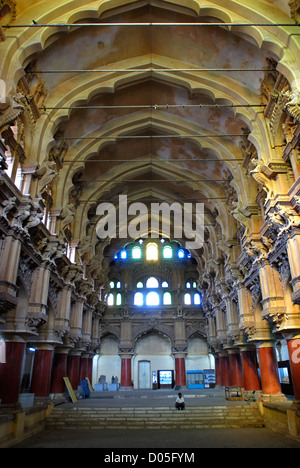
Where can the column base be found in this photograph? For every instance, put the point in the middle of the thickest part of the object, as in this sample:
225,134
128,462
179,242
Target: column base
273,397
10,408
254,395
125,389
42,401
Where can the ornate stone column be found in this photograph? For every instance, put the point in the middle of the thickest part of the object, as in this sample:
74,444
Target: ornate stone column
37,310
76,320
271,290
87,326
62,319
9,265
293,251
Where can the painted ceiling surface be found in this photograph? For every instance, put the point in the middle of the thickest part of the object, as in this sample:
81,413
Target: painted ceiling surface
141,100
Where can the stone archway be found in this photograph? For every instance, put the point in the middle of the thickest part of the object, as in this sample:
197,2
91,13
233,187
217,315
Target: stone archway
154,349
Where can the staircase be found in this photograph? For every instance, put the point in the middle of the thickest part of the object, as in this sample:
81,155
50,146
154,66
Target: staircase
205,417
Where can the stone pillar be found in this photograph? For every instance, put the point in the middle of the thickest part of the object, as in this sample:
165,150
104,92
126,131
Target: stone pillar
76,320
246,316
221,327
249,362
59,371
271,290
39,294
293,251
42,370
9,265
224,369
236,369
10,373
62,318
73,369
87,327
269,370
126,381
294,354
180,374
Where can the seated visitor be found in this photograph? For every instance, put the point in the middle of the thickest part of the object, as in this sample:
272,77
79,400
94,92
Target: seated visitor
180,405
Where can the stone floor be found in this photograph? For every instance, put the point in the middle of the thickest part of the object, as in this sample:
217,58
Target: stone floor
165,440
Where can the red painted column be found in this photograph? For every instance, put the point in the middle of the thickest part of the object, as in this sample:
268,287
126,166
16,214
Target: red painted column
73,370
251,377
41,375
180,375
84,366
268,369
217,371
294,354
90,369
10,373
236,370
59,371
126,371
225,370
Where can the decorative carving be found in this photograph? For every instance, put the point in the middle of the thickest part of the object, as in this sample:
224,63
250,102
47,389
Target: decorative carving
8,205
294,9
67,215
258,173
11,110
241,214
46,173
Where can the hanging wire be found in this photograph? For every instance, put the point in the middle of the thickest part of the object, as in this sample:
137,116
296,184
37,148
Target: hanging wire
36,25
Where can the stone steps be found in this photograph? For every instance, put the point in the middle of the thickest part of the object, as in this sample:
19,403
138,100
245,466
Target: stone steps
155,418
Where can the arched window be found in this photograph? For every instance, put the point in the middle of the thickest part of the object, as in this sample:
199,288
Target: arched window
180,253
136,252
167,252
139,285
164,284
167,299
119,299
197,299
138,299
152,283
111,284
187,299
123,254
152,299
152,252
110,300
118,285
188,285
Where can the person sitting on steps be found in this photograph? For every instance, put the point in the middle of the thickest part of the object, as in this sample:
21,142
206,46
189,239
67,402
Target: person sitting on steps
180,405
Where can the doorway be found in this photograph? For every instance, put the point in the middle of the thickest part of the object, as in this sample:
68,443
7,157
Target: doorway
144,374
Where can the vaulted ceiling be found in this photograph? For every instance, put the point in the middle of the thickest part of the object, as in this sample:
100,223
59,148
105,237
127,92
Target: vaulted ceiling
139,99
